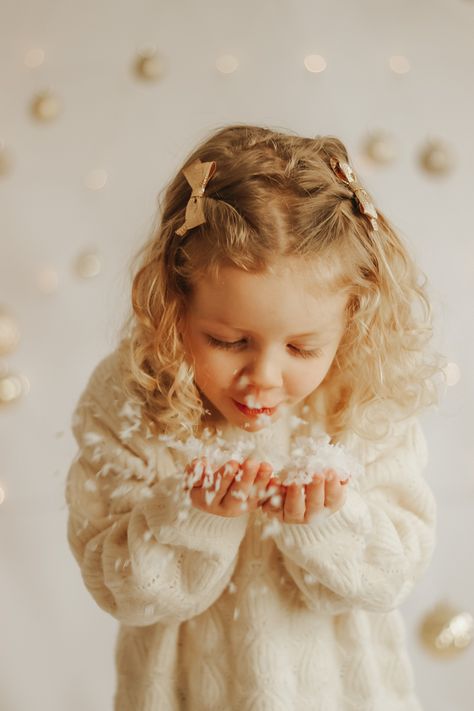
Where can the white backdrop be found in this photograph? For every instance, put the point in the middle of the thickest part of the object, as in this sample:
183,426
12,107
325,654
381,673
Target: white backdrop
56,645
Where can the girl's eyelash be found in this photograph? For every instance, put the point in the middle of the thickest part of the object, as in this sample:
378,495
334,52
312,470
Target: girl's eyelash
237,345
226,345
307,354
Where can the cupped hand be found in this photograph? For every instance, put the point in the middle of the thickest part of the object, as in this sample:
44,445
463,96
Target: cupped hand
231,490
298,503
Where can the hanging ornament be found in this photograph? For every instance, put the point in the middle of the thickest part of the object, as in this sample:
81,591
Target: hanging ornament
380,148
436,158
96,179
34,58
399,64
46,106
148,65
9,333
47,279
315,63
452,374
446,631
12,388
227,64
88,265
6,159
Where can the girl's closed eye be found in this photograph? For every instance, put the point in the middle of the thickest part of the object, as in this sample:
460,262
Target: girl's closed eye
237,345
314,353
226,345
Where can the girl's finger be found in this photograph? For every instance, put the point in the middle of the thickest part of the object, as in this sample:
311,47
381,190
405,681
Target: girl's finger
275,503
332,489
239,488
314,497
195,472
258,488
225,477
294,508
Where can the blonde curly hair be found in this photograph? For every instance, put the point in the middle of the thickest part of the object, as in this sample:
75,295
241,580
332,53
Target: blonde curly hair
274,194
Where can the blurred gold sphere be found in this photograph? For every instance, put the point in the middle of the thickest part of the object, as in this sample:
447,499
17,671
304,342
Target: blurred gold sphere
436,158
9,333
149,66
380,148
12,388
446,631
88,265
6,160
46,106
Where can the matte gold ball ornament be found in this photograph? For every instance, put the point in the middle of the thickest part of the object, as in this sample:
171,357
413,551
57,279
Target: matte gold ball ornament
6,160
9,333
436,158
148,65
380,148
446,631
46,106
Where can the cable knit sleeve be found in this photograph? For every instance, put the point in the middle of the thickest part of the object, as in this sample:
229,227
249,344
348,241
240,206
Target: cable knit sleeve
143,556
369,553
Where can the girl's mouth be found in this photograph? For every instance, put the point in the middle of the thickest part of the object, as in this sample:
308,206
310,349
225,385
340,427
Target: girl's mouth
254,412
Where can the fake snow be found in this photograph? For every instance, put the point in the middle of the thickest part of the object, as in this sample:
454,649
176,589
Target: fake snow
92,438
271,529
308,456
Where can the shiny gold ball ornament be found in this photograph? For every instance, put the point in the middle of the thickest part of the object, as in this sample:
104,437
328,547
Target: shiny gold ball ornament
88,264
46,106
380,148
149,65
6,159
12,387
446,631
436,158
9,333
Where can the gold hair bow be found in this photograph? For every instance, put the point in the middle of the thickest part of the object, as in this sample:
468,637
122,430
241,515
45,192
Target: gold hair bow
345,173
198,175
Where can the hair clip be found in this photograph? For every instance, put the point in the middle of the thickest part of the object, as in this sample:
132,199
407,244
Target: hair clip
198,175
345,173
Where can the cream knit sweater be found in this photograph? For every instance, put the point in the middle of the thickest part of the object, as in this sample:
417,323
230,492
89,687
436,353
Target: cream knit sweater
216,617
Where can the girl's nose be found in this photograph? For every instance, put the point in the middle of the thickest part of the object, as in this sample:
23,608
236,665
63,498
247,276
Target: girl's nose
264,371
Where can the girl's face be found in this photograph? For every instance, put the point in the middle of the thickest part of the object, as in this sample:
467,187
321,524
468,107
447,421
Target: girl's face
263,340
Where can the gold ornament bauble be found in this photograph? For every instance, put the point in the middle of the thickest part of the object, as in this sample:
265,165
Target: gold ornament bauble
46,106
446,631
47,279
88,265
380,148
12,387
149,66
9,333
6,160
436,158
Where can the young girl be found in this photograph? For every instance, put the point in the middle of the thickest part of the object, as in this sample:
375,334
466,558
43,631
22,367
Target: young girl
277,317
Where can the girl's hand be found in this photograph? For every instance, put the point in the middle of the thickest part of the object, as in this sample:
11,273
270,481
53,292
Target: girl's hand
297,503
232,490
